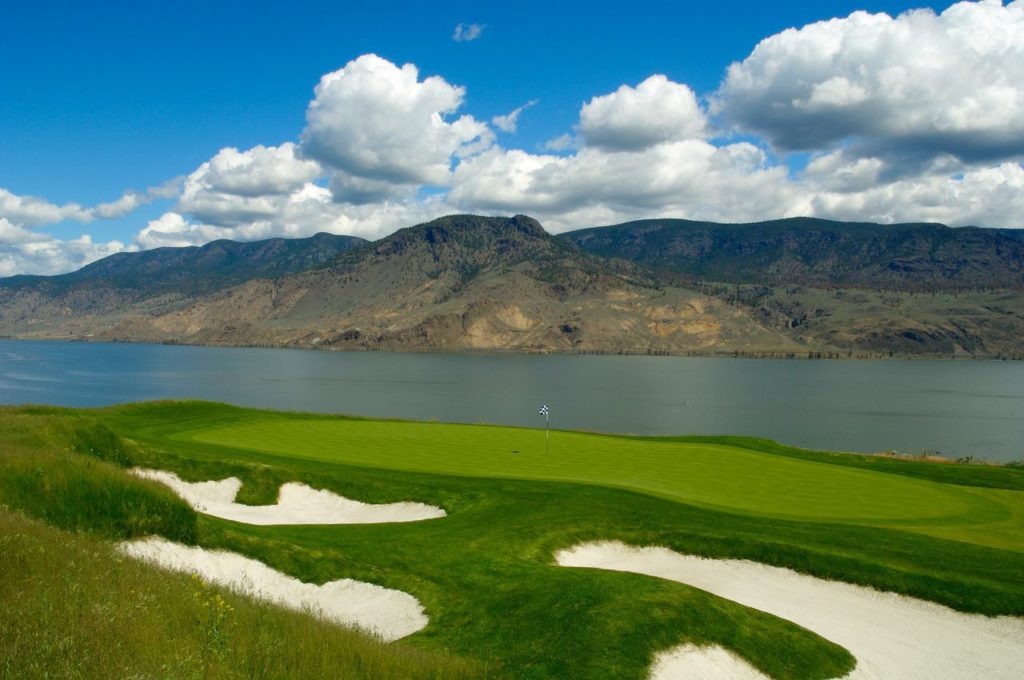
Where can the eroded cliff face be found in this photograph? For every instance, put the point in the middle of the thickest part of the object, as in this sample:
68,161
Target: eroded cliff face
468,283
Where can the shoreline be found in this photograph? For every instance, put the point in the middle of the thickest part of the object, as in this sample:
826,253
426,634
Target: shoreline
770,354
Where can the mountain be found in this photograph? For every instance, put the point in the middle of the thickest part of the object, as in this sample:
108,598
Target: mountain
460,282
162,276
465,282
819,253
194,269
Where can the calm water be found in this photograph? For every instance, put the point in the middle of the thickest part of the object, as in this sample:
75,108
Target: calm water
958,408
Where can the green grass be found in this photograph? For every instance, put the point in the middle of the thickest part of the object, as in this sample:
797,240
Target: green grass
485,573
712,475
962,474
71,607
43,474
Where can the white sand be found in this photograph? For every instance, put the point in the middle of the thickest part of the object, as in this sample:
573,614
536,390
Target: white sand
892,636
391,614
296,504
690,662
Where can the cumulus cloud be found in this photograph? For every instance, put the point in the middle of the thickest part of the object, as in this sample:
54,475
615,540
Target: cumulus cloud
13,234
510,121
235,196
991,196
633,118
240,187
468,32
644,154
26,251
34,211
691,178
906,89
259,171
172,230
40,254
374,120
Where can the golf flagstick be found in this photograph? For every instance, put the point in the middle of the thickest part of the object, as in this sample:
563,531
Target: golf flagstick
545,411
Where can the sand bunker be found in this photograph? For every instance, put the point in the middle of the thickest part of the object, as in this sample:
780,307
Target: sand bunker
892,636
296,504
690,662
391,614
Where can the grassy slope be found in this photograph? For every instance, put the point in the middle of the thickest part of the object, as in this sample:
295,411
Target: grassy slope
70,607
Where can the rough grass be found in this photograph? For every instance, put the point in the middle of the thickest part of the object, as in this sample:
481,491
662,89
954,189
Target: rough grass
71,607
42,474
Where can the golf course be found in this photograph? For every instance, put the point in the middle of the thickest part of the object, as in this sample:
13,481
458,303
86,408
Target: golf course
498,506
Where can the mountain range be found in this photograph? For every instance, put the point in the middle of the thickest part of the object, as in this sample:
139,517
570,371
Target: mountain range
796,287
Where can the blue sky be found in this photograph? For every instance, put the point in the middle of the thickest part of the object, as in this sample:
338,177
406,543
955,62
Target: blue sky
97,98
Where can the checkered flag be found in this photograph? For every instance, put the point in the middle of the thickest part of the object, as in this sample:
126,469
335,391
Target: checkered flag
544,411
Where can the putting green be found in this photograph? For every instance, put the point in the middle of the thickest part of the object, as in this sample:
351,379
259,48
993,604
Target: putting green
716,476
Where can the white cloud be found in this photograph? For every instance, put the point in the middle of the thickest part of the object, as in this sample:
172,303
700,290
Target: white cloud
13,234
468,32
172,230
690,178
630,119
510,121
836,172
908,88
374,120
238,187
33,211
259,171
206,211
46,255
992,196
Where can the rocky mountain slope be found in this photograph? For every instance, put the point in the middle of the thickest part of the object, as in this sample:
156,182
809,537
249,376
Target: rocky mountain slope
159,279
819,253
484,283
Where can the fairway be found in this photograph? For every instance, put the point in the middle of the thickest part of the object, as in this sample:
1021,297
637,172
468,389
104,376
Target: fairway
714,476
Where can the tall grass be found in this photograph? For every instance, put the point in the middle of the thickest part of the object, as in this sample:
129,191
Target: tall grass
43,474
72,607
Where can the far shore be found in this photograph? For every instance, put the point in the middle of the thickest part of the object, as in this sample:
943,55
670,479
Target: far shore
787,354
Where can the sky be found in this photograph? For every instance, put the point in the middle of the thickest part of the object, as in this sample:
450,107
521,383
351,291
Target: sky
128,126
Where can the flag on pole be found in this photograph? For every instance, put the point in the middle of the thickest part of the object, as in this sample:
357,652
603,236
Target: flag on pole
544,411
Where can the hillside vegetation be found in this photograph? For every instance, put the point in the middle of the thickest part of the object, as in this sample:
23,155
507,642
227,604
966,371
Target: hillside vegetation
819,253
791,288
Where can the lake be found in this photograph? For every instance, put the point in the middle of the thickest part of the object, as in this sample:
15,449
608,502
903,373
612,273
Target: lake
960,408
